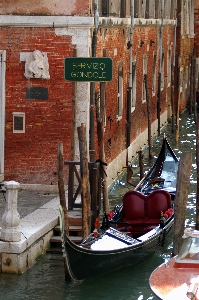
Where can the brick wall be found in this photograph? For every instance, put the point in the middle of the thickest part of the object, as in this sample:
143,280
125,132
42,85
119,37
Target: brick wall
117,38
46,7
31,157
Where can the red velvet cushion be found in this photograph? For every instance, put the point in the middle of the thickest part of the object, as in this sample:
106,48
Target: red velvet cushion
144,212
157,201
133,205
152,222
137,206
134,222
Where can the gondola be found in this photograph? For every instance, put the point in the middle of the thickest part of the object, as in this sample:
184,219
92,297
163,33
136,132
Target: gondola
163,173
133,231
136,236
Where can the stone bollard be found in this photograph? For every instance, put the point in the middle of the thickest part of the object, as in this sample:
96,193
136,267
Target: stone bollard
10,220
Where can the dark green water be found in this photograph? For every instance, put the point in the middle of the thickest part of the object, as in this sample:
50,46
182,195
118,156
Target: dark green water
45,280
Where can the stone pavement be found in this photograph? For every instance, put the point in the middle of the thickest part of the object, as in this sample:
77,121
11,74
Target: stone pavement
21,246
28,201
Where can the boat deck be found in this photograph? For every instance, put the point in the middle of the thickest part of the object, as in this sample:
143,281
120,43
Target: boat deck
170,283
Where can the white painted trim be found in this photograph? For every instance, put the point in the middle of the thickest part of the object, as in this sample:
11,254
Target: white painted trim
108,21
46,21
81,38
75,21
2,111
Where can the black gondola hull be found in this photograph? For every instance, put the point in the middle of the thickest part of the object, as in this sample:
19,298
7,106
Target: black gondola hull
146,206
83,263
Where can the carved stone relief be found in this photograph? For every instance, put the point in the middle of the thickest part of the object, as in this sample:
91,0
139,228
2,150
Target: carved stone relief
36,65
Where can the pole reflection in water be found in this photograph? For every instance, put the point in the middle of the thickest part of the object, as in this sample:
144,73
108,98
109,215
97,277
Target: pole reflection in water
45,280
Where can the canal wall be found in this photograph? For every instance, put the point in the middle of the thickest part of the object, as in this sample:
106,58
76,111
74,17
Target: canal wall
118,164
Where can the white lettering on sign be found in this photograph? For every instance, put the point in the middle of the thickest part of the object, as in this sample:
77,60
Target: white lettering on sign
88,75
94,66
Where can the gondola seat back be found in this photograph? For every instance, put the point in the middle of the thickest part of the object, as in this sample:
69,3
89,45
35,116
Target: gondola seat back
133,205
157,202
144,212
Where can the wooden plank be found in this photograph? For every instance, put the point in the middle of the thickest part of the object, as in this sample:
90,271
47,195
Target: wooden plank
75,228
75,221
77,163
71,163
71,228
75,239
57,239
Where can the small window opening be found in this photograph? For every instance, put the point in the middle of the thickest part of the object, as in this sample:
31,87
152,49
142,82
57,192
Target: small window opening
18,122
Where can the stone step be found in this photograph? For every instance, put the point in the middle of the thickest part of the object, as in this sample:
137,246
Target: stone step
55,250
76,228
75,232
75,218
74,239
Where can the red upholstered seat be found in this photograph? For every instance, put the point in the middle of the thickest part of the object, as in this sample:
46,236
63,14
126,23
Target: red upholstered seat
133,205
156,202
143,212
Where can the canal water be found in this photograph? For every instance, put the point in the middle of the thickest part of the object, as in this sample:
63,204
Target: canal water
45,280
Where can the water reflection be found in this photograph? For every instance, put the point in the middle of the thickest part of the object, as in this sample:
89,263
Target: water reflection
46,279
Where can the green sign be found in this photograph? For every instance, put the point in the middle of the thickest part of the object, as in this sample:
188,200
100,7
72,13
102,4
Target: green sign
88,69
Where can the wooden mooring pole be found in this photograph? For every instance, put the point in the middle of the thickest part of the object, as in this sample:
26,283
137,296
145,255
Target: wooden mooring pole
100,132
158,101
141,164
149,116
182,190
85,192
172,98
71,179
177,103
194,84
62,196
197,164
